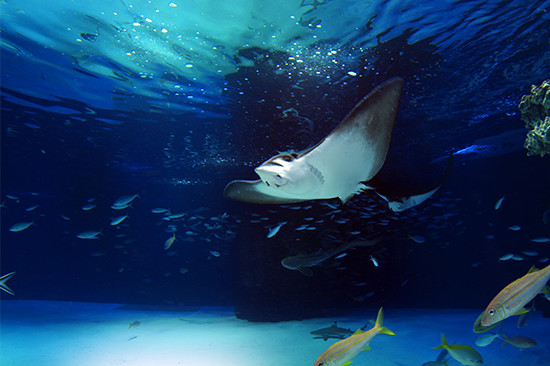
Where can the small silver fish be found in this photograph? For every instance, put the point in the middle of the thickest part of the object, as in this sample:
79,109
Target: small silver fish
118,220
88,206
514,228
176,216
541,239
273,231
329,205
506,257
374,261
417,239
125,200
20,226
11,197
499,203
159,210
90,234
115,207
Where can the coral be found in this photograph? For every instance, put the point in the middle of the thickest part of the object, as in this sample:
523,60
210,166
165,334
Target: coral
535,112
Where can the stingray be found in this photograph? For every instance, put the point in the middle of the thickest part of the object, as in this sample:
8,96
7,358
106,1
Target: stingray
338,166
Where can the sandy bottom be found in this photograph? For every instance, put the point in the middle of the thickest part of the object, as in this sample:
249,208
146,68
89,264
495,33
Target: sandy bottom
61,333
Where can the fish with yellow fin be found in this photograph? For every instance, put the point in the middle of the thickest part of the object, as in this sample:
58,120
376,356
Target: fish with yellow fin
3,281
341,353
466,355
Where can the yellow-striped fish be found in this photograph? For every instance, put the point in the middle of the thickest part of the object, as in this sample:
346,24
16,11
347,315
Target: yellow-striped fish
341,353
478,328
511,300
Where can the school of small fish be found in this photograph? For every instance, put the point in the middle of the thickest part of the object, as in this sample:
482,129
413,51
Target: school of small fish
200,225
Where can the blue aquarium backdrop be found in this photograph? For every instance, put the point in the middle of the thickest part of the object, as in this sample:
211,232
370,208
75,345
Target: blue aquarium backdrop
124,122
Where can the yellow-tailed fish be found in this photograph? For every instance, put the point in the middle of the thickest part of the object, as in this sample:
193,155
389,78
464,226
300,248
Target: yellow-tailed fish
341,353
168,243
3,281
511,300
466,355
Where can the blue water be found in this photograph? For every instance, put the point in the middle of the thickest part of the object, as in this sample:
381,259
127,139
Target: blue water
172,100
65,333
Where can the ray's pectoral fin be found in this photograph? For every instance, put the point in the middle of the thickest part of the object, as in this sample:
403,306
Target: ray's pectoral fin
254,191
399,203
360,187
